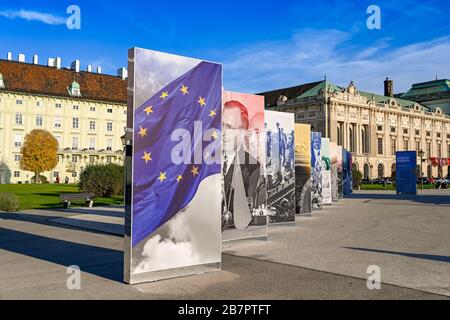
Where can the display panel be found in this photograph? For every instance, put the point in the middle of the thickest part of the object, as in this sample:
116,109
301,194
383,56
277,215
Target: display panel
303,168
316,170
172,219
244,205
347,172
405,174
326,171
280,139
334,171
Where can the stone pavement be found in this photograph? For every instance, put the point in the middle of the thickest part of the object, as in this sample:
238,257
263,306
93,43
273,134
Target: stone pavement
322,257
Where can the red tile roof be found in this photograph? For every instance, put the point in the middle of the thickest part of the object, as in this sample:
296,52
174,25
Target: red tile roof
39,79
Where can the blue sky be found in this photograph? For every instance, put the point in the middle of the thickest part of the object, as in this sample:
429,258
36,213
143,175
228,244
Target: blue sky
263,44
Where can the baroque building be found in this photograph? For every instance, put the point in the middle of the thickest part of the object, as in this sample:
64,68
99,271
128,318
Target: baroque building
84,110
373,127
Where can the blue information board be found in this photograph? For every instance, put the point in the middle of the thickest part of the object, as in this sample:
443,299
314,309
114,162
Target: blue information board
406,163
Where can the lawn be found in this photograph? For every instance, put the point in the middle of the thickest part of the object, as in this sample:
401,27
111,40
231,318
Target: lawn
46,196
390,187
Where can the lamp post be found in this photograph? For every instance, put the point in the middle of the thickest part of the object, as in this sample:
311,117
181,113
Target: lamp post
421,154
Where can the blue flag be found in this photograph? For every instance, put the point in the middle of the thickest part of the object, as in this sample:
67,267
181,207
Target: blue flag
161,188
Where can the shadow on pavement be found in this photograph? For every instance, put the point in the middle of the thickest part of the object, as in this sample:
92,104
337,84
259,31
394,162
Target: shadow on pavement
46,220
426,199
405,254
102,262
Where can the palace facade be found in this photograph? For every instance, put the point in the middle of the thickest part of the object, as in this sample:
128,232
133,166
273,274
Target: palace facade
373,127
84,110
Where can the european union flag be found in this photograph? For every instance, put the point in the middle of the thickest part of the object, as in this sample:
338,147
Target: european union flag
161,188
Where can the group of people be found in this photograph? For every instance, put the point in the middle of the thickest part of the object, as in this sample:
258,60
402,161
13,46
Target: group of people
280,152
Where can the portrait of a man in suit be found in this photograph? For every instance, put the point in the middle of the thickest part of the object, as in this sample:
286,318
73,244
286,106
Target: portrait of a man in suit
244,185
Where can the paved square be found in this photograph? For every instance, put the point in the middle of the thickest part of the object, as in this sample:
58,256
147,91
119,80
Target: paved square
323,257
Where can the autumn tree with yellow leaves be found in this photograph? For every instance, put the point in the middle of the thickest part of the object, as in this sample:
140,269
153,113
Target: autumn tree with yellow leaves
39,152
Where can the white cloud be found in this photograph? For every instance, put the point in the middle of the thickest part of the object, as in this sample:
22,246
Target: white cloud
192,237
309,55
33,16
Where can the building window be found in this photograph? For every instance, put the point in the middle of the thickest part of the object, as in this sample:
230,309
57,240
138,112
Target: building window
393,147
439,150
405,145
379,128
91,125
428,133
429,149
91,159
18,101
108,159
39,103
91,143
393,129
417,133
448,135
340,136
75,107
300,115
55,174
75,123
16,174
58,106
18,140
125,112
417,146
58,122
109,126
312,114
74,158
380,145
405,130
109,110
438,134
58,138
448,152
19,119
17,157
109,145
92,108
352,138
39,121
74,174
74,143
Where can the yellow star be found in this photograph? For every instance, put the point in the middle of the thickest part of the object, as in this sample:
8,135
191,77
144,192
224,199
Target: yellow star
215,135
179,178
162,176
148,110
164,95
143,132
194,171
212,114
201,101
184,89
147,157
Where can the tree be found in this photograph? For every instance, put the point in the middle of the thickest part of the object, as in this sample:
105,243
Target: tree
357,177
71,167
39,152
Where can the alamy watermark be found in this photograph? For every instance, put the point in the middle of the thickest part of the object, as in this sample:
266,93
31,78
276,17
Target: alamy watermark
73,282
374,20
374,279
73,22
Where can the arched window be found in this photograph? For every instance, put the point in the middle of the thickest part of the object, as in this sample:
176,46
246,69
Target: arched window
339,135
380,170
393,169
366,171
429,171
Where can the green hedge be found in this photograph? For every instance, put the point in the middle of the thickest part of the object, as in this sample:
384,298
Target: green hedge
8,202
104,180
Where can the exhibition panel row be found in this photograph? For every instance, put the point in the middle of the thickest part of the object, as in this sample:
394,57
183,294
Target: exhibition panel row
206,166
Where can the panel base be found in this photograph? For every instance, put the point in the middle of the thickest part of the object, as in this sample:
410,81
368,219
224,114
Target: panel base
153,276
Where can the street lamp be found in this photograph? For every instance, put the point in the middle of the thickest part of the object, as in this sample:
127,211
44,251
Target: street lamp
421,154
